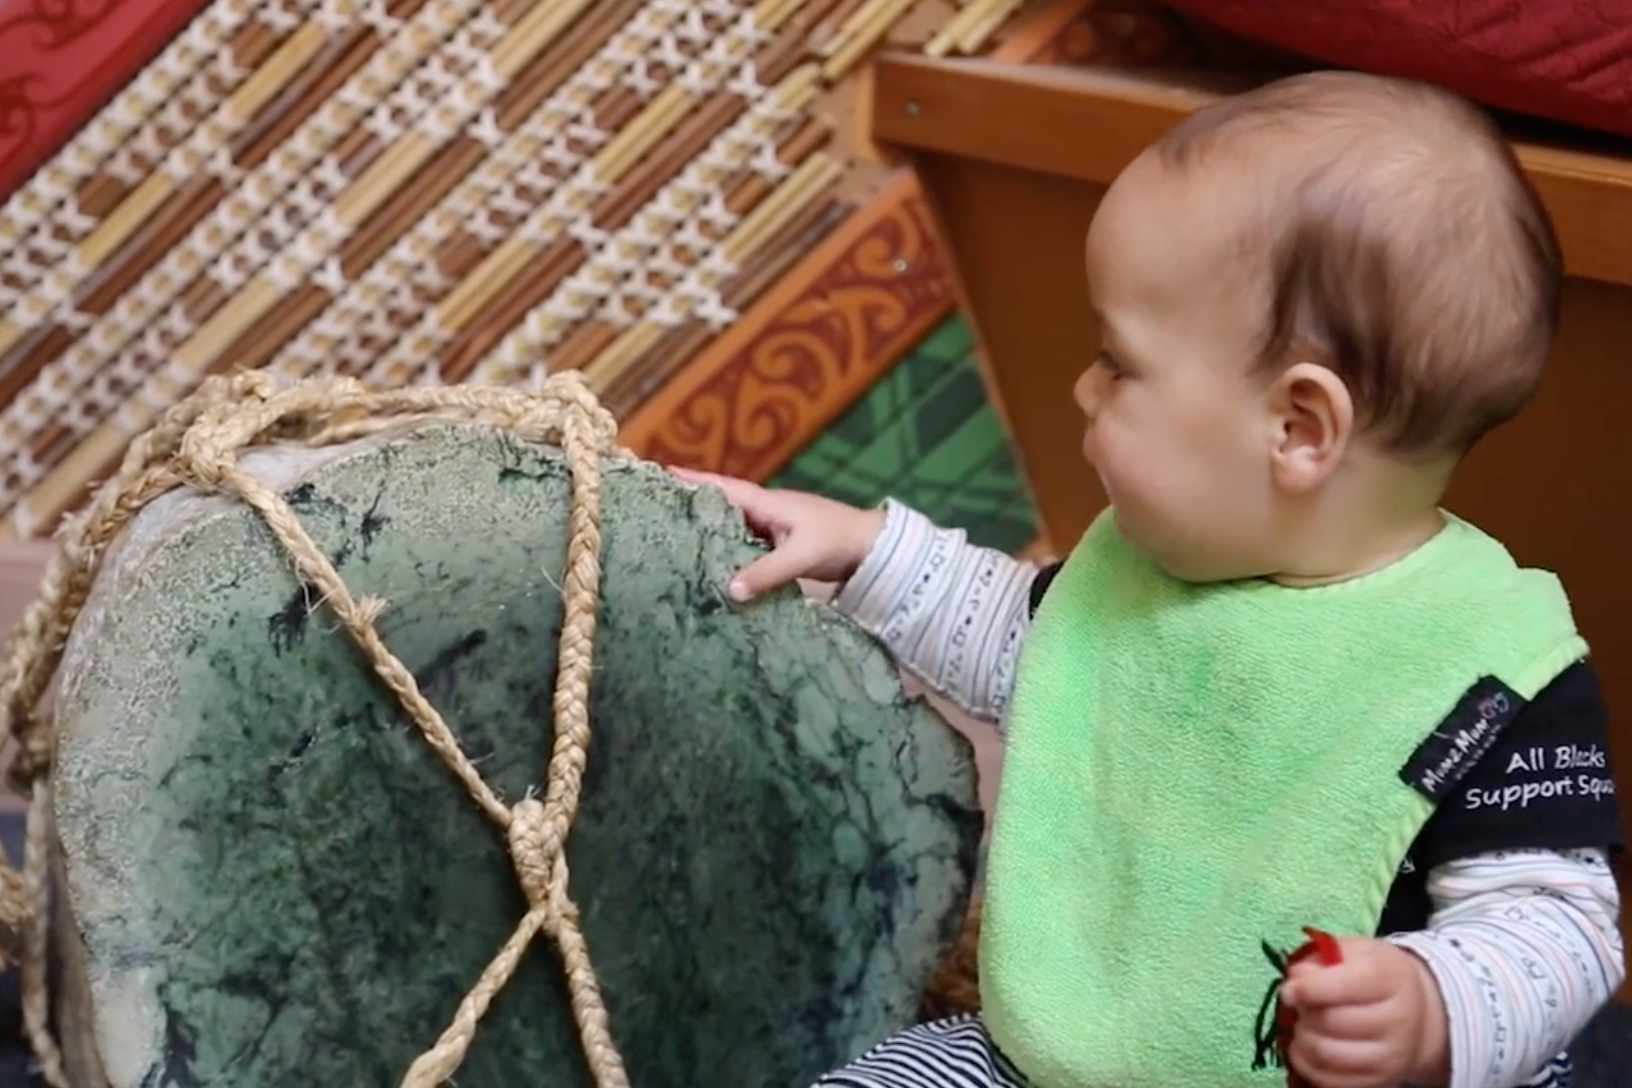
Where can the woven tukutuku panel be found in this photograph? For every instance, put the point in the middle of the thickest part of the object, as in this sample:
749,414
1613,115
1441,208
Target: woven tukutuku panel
414,191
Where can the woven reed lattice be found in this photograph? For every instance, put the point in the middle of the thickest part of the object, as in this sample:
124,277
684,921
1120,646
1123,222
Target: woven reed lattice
419,192
197,444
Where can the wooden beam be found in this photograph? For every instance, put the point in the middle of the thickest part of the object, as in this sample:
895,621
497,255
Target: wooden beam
1088,124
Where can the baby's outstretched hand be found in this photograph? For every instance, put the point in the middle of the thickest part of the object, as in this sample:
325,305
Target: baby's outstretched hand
811,536
1374,1019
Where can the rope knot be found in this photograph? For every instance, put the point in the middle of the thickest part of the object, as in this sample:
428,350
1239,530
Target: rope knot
532,850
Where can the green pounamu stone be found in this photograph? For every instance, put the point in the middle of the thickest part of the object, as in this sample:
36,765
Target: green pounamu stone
277,882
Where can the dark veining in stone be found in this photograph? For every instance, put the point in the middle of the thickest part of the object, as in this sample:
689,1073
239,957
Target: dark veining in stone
279,883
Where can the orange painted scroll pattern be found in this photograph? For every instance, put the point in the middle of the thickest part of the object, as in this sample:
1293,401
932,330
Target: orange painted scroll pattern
879,291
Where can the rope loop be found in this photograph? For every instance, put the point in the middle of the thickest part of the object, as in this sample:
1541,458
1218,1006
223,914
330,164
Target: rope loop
198,443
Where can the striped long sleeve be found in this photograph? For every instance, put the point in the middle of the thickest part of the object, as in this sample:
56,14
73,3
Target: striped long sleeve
1524,944
1525,948
951,614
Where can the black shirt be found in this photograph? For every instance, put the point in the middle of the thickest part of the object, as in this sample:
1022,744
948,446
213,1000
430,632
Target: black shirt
1546,783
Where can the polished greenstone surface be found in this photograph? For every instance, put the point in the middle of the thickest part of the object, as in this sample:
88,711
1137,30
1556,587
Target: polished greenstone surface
278,882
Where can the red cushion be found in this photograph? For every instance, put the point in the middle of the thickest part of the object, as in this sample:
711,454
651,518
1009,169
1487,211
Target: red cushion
59,63
1567,60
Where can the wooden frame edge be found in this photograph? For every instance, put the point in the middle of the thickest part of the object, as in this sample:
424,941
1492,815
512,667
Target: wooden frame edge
926,106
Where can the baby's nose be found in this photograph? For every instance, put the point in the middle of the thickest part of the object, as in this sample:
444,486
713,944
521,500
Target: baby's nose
1086,392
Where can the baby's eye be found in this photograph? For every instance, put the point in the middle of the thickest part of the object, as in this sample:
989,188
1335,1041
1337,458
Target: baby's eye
1108,361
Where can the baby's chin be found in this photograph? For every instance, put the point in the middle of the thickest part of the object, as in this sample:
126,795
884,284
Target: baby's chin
1193,565
1142,544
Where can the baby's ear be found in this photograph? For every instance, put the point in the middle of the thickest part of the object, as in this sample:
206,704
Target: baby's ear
1314,421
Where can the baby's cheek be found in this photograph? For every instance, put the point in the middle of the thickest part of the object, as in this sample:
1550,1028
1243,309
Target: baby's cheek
1088,447
1126,474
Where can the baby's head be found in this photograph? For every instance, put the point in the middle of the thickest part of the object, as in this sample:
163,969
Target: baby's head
1314,298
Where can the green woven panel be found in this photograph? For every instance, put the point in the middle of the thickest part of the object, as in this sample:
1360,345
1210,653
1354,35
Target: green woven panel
926,434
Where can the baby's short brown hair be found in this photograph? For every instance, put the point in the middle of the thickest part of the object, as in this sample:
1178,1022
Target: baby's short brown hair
1407,250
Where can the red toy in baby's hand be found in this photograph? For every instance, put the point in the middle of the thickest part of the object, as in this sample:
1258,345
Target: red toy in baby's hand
1324,947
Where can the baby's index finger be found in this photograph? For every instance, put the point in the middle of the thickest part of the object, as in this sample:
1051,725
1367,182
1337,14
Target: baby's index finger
767,512
696,475
1352,982
740,492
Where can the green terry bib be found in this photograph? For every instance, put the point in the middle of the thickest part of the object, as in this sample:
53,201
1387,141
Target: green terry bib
1195,772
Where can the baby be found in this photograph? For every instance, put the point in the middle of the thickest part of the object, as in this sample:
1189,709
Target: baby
1275,685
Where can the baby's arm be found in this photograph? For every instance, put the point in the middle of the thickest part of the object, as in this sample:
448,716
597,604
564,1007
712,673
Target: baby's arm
1525,948
948,611
951,613
1512,936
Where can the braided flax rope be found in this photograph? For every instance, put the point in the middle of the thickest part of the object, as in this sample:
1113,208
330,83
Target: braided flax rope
197,444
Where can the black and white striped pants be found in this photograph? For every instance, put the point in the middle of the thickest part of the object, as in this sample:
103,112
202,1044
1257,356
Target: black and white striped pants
952,1053
957,1053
